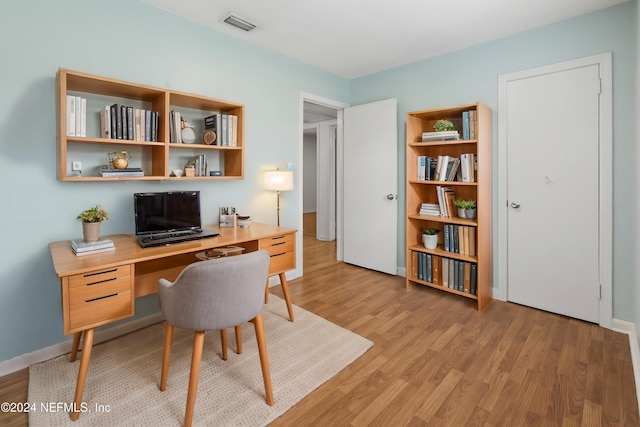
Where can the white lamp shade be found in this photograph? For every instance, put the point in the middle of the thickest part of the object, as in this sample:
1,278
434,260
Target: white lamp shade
278,180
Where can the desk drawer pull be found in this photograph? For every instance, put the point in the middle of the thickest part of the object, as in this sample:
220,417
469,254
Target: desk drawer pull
111,279
278,237
275,255
99,298
279,243
100,272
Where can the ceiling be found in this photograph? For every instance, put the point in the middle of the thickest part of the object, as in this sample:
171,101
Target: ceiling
352,38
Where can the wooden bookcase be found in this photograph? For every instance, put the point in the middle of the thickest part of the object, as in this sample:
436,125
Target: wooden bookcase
421,191
157,159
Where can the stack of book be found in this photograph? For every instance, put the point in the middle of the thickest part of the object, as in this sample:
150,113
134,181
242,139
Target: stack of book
430,209
446,135
113,173
81,248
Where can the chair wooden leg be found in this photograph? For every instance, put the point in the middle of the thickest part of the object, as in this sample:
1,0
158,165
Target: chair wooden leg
266,292
166,355
287,298
74,347
238,339
196,356
258,325
223,340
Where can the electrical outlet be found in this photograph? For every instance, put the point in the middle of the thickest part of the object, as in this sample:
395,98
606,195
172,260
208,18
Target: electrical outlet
76,166
290,166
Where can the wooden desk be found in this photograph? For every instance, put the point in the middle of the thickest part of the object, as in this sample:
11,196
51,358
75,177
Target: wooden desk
100,289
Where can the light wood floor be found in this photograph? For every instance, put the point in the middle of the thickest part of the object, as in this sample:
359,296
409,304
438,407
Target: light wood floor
437,361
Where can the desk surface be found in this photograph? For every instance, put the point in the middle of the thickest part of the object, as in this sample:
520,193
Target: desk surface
66,263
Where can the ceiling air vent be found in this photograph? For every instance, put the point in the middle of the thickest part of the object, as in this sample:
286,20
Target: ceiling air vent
238,22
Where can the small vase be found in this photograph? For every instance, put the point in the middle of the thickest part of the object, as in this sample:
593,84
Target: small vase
91,231
461,213
430,241
470,213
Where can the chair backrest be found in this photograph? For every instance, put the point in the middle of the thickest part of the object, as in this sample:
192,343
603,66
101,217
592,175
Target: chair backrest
216,294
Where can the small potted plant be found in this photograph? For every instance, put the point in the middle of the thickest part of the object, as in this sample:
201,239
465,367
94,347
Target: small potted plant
91,220
430,237
443,125
470,209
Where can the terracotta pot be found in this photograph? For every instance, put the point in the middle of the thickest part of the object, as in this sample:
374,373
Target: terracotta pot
91,231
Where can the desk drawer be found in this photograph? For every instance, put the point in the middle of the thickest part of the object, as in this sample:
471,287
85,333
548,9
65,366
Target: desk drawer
100,276
282,250
99,297
95,312
278,244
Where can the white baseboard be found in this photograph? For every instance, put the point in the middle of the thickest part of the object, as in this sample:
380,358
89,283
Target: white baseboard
101,335
629,328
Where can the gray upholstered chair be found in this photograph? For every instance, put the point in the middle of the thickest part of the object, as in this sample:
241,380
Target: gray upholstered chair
215,295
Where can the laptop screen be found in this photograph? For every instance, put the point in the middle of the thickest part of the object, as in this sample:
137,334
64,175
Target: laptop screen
166,211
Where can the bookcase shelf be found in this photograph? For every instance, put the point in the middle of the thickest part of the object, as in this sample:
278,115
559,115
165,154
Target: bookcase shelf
158,158
476,258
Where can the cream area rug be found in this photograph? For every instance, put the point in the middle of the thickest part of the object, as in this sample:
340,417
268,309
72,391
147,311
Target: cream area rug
124,374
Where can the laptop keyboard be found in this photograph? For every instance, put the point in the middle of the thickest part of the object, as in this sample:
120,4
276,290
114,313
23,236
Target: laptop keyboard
166,238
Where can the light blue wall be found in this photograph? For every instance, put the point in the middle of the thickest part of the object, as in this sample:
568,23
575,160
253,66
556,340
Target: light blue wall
471,75
130,41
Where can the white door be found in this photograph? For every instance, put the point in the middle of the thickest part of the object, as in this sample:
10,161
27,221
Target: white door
370,207
553,197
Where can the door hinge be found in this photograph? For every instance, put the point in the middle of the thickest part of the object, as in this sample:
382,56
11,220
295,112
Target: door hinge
599,291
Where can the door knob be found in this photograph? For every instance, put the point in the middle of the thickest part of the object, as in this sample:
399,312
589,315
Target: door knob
390,196
515,205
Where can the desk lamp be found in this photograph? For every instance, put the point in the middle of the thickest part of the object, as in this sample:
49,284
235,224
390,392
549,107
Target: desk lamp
278,181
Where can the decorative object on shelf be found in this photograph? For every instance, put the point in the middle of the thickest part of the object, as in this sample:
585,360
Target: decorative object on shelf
119,159
187,133
244,221
470,209
443,125
466,208
227,217
209,137
177,173
430,238
278,181
91,220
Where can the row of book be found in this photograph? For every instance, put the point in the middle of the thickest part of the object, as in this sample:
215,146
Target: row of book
176,124
459,239
81,248
449,273
225,127
200,165
124,122
447,168
76,116
469,122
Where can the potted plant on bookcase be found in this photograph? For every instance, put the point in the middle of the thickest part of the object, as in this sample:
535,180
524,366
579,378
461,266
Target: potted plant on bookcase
470,209
91,220
430,238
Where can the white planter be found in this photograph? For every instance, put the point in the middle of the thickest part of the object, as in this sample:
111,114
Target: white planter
430,241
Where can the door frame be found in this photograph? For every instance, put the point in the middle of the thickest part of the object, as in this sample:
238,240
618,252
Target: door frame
339,106
605,179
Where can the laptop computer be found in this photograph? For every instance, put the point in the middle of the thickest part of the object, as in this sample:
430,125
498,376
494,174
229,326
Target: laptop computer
164,218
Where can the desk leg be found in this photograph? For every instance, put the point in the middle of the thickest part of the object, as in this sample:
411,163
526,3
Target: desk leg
266,292
285,291
82,372
74,347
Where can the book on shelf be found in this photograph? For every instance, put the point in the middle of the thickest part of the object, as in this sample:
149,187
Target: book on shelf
473,279
441,192
78,108
105,122
429,209
71,115
445,271
435,266
466,281
110,172
447,135
465,125
414,264
472,241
